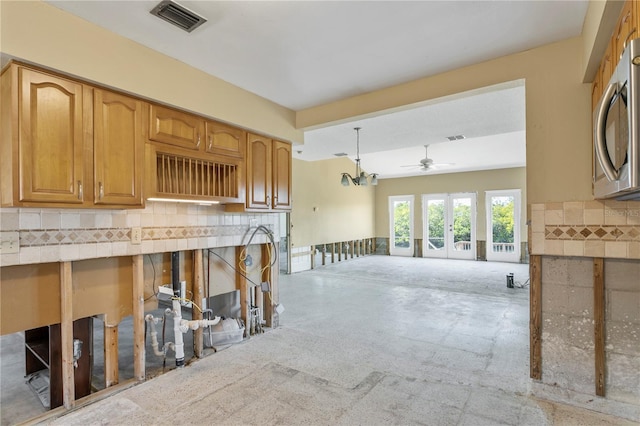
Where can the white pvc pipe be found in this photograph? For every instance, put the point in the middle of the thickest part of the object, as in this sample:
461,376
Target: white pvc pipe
154,335
195,324
179,344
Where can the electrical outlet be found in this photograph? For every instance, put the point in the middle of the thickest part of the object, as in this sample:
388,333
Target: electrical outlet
136,235
9,242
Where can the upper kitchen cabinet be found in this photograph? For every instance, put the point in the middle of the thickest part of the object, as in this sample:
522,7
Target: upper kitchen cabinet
268,180
43,140
222,139
175,127
626,29
258,172
118,149
64,147
281,175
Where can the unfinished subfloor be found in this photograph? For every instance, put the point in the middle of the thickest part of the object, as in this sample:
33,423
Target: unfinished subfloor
374,340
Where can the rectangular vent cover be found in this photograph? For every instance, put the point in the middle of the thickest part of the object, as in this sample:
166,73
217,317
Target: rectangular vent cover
178,15
455,138
341,154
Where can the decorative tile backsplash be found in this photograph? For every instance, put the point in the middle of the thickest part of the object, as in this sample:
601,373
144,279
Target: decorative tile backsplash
608,229
51,235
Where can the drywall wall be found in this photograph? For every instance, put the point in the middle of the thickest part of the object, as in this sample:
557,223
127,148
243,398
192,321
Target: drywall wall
30,297
478,182
58,40
103,287
568,354
558,114
324,211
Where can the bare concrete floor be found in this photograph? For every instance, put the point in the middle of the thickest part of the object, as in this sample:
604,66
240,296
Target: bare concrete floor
372,341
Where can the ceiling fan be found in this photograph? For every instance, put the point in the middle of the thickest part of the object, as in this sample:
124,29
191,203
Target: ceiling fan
427,164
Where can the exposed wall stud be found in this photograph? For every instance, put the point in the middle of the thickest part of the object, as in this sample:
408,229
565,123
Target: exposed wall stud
535,317
313,257
138,318
198,295
66,334
598,325
245,301
110,355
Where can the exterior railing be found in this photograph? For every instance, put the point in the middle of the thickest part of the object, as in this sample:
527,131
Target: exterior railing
503,247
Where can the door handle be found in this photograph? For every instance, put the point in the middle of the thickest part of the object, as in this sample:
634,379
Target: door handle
599,136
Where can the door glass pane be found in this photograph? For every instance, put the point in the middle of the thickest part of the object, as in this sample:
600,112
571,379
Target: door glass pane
502,221
462,224
435,216
401,224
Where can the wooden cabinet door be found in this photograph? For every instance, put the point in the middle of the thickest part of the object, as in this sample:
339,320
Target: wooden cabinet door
51,139
596,90
636,9
258,172
281,175
626,30
118,149
607,65
176,128
224,140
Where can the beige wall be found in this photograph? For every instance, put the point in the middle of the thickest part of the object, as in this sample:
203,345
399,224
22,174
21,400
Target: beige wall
324,211
558,115
477,182
37,32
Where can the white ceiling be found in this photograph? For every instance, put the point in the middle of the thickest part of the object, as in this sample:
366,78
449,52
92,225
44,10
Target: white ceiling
301,54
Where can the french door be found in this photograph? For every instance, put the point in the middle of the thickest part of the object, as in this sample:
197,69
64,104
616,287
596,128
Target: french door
401,225
449,225
503,225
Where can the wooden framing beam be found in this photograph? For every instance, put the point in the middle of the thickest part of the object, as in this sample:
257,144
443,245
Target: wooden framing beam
245,297
535,317
324,250
598,324
351,247
339,251
267,304
111,376
198,295
333,252
138,318
66,334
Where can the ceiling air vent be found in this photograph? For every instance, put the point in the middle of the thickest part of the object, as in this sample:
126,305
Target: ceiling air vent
455,137
341,154
178,15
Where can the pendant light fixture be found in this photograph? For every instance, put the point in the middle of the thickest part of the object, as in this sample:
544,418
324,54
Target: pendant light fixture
360,178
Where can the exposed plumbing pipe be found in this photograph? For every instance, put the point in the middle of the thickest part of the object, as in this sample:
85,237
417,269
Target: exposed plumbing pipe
183,326
175,273
195,324
179,344
150,319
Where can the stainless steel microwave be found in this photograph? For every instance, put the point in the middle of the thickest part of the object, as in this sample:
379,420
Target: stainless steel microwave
616,138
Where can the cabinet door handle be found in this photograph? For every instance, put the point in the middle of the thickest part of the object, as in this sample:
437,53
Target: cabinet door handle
275,201
100,190
80,191
198,144
268,201
210,142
